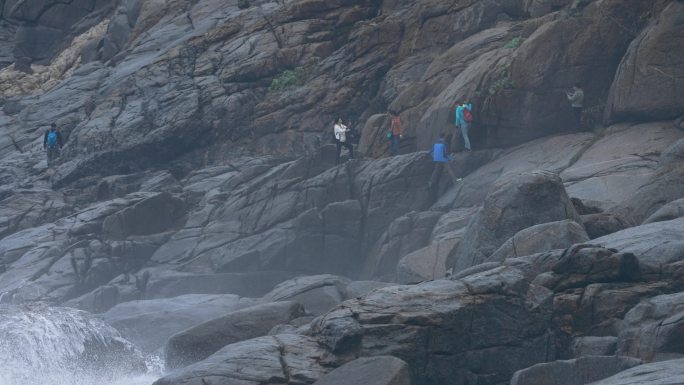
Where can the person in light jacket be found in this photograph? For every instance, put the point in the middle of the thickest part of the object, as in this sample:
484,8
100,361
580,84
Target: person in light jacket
341,140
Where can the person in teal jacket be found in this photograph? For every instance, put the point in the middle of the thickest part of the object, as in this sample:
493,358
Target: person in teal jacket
462,123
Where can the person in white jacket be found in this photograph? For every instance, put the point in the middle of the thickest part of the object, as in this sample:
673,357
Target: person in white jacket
342,140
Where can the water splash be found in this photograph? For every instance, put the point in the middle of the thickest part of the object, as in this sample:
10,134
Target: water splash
42,345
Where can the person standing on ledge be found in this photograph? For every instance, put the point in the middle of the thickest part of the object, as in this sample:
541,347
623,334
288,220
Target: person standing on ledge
576,98
464,118
52,142
395,134
341,140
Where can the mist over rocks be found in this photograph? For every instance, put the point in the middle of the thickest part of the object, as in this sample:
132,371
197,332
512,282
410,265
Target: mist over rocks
197,204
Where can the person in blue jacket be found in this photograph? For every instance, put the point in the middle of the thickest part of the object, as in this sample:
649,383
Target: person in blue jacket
441,159
463,121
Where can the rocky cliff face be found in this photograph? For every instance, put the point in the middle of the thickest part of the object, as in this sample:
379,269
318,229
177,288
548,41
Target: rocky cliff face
198,180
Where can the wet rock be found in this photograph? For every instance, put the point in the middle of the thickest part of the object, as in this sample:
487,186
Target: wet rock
150,323
672,210
317,293
656,373
380,370
199,342
544,237
149,216
649,75
282,358
513,204
601,224
578,371
653,329
594,346
413,322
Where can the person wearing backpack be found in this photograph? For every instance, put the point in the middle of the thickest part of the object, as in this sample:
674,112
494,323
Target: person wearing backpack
52,143
395,134
464,119
341,132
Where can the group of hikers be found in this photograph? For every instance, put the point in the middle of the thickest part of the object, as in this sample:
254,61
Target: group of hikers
345,136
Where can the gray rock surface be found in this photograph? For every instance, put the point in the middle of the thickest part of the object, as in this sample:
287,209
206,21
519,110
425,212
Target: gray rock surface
594,346
578,371
513,204
655,373
653,329
672,210
380,370
284,358
199,342
150,323
318,293
543,237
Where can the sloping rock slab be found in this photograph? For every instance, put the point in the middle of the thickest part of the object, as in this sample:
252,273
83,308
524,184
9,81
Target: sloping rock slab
201,341
150,323
539,238
318,293
574,372
381,370
279,359
656,373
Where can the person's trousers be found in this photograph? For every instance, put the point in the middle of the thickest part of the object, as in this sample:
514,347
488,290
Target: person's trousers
577,112
52,154
394,145
465,126
349,147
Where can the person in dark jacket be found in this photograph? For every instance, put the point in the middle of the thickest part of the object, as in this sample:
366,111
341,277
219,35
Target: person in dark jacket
52,143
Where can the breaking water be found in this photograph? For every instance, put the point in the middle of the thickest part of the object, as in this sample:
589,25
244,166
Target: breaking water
42,345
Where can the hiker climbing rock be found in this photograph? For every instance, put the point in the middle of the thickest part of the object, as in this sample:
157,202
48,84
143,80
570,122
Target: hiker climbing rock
464,119
52,143
341,133
441,159
395,134
576,98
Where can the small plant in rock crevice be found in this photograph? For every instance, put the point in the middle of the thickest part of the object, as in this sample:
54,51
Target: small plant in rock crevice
514,43
293,77
503,81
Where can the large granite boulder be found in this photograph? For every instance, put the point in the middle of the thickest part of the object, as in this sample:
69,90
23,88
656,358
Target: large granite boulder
318,293
150,323
284,358
656,373
653,329
535,239
380,370
579,371
199,342
449,332
650,75
514,203
672,210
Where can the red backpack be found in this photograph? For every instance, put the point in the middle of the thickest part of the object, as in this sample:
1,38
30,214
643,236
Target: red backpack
467,116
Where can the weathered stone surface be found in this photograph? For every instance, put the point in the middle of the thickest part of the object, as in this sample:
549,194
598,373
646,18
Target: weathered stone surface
317,293
250,284
514,203
672,210
594,346
150,323
543,237
656,373
284,358
149,216
598,225
654,245
653,329
199,342
418,323
380,370
578,371
650,76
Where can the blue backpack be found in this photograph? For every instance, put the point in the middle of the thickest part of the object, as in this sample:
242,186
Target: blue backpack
52,139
